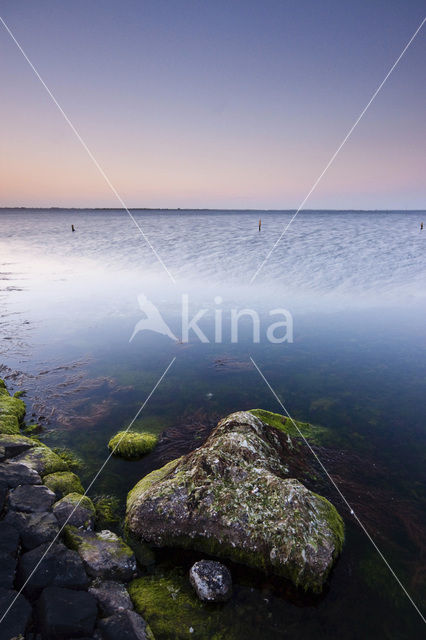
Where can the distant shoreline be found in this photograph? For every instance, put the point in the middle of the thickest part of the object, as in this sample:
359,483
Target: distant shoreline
208,210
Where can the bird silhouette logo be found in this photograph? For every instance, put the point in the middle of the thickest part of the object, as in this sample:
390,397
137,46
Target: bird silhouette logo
153,320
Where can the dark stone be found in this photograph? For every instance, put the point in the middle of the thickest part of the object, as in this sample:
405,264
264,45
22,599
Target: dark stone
65,613
126,625
104,554
17,619
13,445
3,493
31,498
9,539
34,528
112,597
14,473
7,570
2,454
211,580
60,567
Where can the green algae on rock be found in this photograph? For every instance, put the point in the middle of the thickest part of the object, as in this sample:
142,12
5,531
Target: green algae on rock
233,498
12,411
76,510
63,483
293,428
107,510
105,555
173,611
132,445
42,459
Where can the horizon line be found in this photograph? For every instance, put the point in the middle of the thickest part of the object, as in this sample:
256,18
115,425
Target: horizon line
60,208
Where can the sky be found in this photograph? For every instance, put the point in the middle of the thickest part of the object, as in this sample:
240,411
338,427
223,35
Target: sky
213,104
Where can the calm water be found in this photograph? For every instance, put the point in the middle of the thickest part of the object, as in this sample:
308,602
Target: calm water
355,286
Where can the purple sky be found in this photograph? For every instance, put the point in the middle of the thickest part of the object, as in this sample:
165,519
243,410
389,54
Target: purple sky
213,104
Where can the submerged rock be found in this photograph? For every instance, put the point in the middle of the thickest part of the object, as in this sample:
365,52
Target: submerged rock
104,554
232,498
211,580
75,510
132,445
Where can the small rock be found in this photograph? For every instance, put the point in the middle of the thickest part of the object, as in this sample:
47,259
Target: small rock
66,613
9,539
18,617
75,510
7,570
60,567
211,580
31,498
13,445
15,473
112,597
126,625
34,528
63,483
104,554
43,460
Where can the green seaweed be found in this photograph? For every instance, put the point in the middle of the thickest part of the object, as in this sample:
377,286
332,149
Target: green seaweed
132,445
172,610
293,428
12,412
107,510
69,457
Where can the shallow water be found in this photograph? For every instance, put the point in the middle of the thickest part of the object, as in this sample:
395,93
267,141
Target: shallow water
354,283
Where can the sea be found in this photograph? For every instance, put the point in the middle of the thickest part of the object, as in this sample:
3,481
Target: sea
329,308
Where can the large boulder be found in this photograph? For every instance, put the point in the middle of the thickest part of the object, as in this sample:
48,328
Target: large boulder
233,498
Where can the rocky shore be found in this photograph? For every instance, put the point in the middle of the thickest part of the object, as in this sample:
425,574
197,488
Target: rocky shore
235,499
68,583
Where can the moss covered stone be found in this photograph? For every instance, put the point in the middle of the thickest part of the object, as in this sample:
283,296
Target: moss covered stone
76,510
63,483
105,555
293,428
12,411
173,611
132,445
42,459
233,498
